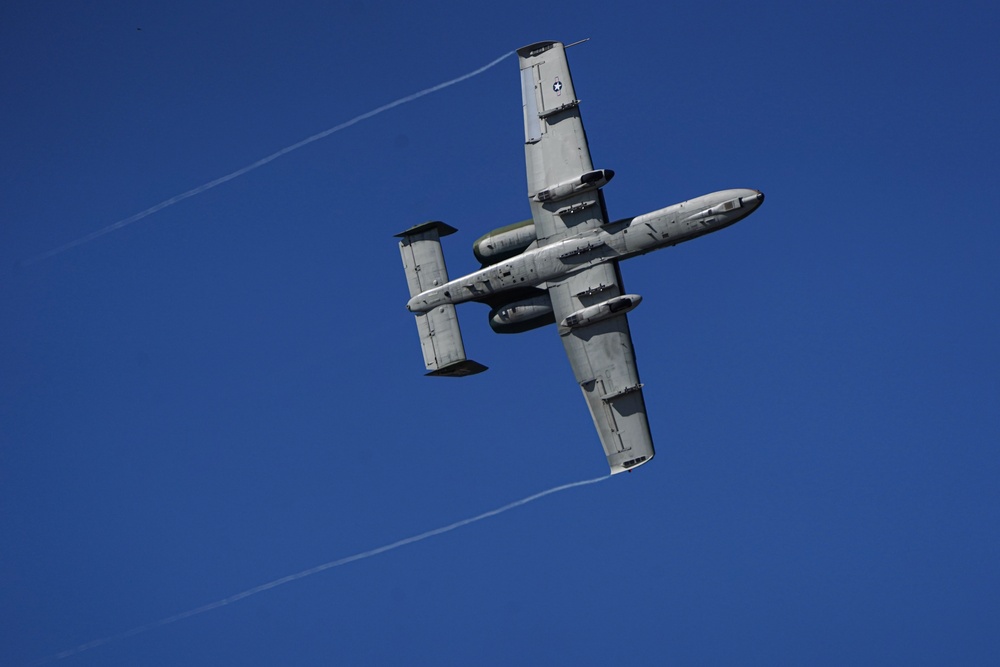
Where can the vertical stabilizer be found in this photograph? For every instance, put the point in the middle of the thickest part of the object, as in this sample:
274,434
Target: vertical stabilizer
440,336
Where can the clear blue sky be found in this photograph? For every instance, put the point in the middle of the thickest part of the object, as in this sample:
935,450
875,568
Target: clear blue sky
230,390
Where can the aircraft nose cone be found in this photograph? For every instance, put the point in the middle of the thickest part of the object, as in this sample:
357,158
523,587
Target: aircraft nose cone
755,199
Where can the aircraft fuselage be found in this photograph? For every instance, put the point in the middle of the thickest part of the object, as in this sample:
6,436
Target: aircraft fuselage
612,242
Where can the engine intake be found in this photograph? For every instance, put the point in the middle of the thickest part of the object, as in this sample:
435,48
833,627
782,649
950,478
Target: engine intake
504,242
523,315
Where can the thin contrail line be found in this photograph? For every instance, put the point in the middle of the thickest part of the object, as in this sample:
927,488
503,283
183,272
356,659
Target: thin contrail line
311,571
259,163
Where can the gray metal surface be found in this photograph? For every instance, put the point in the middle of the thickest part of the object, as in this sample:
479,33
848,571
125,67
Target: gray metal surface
555,146
601,354
440,336
603,361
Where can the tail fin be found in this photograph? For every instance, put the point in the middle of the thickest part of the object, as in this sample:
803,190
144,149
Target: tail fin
440,337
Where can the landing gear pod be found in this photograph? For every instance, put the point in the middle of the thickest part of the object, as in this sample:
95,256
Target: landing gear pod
588,181
600,311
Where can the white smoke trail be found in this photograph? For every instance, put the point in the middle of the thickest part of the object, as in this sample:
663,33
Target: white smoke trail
259,163
311,571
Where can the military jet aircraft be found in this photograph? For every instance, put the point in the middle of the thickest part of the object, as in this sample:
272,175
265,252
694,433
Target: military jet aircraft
562,266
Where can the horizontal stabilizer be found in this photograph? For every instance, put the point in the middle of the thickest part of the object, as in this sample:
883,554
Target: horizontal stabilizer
440,336
423,259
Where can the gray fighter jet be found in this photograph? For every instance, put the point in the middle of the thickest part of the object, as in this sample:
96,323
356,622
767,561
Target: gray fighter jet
562,266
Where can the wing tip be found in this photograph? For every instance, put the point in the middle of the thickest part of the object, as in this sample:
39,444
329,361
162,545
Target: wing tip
630,465
537,48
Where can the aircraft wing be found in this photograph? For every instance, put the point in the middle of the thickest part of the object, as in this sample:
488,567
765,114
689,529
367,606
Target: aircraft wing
603,362
555,143
601,354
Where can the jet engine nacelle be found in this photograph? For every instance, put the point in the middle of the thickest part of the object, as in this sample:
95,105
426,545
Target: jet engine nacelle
504,242
601,311
588,181
522,315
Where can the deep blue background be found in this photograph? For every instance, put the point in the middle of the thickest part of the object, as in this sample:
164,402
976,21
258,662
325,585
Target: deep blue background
231,391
